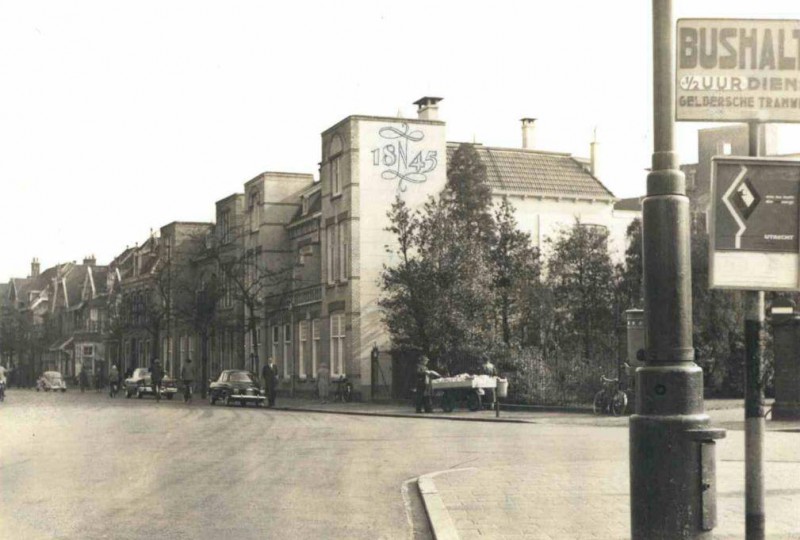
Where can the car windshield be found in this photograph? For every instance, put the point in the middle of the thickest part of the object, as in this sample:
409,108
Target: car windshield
141,372
52,375
240,376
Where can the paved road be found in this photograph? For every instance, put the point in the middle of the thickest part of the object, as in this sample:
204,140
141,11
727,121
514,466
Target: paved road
85,466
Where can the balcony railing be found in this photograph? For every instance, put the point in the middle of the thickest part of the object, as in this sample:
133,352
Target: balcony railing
309,295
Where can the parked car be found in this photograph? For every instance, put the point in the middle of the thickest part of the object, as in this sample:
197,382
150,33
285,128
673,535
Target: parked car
236,385
51,380
140,385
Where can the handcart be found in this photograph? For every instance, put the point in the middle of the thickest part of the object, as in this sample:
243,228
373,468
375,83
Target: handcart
463,390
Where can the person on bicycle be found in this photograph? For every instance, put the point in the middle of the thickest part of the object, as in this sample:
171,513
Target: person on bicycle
187,377
113,380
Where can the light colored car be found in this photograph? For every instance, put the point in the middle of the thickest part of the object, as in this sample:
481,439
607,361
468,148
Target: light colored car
51,380
139,385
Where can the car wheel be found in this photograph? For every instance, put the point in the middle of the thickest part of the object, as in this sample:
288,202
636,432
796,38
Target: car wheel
63,390
212,399
242,403
169,396
128,393
139,393
227,400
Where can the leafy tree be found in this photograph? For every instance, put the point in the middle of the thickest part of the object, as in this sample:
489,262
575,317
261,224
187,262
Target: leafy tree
580,274
517,272
631,274
470,193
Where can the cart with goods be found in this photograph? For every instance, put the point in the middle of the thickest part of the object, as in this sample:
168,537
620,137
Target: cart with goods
465,390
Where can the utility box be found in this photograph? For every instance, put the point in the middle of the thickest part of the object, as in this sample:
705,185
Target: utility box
786,340
635,330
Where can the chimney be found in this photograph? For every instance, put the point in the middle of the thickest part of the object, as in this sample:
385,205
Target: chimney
428,108
89,261
528,133
35,267
594,156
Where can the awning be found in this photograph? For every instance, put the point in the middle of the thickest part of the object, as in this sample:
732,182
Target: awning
61,346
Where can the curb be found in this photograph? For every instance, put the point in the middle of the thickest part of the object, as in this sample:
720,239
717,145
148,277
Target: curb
439,518
401,415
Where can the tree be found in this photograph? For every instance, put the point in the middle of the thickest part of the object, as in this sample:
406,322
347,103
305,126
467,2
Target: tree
580,274
517,273
631,273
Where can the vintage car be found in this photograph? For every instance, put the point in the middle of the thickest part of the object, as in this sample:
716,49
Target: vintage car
236,385
51,380
139,384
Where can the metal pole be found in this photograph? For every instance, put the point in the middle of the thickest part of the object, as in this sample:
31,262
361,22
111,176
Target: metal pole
671,448
754,391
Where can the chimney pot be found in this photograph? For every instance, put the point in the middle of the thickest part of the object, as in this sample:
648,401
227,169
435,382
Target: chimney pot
528,133
595,160
35,267
428,108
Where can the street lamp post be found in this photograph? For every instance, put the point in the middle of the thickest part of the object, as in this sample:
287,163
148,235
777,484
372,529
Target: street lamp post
671,447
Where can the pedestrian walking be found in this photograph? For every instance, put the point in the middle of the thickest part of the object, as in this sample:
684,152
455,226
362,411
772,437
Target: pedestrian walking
187,377
323,382
270,375
423,390
113,381
156,376
83,379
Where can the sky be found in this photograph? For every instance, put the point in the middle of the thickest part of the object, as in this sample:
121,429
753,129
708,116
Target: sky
117,118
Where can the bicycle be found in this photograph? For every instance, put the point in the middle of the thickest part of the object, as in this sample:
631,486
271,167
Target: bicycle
610,400
344,390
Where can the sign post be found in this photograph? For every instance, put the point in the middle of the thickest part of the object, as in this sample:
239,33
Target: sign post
747,70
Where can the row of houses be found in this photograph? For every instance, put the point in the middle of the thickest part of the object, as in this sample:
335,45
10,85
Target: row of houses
289,268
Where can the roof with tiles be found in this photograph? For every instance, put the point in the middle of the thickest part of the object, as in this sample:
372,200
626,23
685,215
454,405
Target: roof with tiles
537,173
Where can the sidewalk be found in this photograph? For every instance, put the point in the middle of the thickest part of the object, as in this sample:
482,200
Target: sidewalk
580,498
728,413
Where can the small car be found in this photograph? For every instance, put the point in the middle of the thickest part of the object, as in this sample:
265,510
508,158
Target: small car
139,384
236,385
51,380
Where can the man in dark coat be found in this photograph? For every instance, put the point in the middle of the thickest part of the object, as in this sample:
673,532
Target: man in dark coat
270,375
156,376
423,390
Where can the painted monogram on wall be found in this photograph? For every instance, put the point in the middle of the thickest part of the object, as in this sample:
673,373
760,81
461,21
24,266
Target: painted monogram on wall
401,160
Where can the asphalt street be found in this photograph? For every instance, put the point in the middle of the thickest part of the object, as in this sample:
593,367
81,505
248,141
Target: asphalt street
86,466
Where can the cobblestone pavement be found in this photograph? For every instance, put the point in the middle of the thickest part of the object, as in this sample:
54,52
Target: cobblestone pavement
572,498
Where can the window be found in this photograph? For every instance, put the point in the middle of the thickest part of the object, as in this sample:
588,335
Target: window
726,149
275,338
342,262
302,339
225,226
88,350
314,345
336,178
337,344
287,349
254,211
332,251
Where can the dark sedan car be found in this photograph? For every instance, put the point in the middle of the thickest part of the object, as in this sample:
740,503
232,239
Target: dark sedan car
236,385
